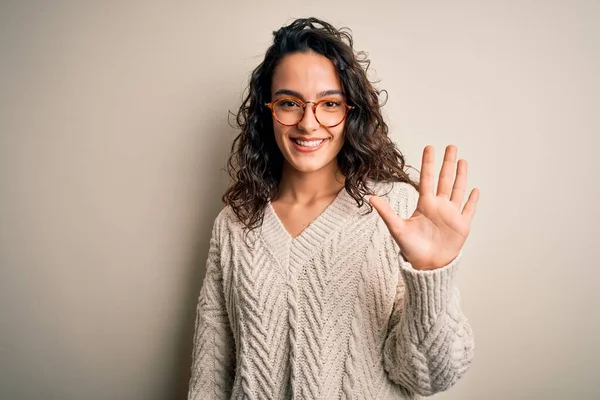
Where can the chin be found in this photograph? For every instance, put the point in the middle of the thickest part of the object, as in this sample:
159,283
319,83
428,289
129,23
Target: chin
306,166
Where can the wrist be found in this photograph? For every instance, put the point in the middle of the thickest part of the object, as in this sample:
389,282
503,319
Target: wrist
426,266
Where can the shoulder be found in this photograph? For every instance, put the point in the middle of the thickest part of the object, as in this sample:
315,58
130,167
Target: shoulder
402,196
226,223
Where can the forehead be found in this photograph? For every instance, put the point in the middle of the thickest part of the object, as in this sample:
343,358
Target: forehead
305,73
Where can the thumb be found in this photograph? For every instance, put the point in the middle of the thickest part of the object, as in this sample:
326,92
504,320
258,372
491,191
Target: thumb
392,220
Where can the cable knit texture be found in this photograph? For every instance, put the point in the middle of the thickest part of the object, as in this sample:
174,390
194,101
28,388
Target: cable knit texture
334,313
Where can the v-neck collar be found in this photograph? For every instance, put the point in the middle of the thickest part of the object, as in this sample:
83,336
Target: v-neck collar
331,219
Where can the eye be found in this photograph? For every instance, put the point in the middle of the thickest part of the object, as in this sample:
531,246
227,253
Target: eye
331,104
289,104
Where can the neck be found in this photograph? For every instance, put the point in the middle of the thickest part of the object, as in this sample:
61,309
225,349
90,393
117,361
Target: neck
307,187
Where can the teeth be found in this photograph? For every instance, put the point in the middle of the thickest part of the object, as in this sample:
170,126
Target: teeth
312,143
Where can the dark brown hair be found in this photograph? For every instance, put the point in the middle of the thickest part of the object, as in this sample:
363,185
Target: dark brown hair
255,164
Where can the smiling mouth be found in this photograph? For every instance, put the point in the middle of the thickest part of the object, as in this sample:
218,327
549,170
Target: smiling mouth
308,143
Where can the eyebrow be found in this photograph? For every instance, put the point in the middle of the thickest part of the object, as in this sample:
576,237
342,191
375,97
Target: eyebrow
319,95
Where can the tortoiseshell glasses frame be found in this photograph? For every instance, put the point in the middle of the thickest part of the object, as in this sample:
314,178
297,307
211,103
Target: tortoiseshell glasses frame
272,105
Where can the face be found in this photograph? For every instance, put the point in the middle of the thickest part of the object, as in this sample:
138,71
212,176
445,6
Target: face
308,146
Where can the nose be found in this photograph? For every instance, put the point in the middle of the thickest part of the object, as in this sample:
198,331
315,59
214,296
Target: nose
309,122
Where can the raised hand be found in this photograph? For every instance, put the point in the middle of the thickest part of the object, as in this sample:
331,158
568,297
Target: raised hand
436,232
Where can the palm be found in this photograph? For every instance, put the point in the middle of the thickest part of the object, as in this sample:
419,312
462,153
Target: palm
438,229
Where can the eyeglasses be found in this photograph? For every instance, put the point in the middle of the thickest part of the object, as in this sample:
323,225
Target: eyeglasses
289,111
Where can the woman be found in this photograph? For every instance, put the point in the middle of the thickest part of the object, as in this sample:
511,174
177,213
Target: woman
308,293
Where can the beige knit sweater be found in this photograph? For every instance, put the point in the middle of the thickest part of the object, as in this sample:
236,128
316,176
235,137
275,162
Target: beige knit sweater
335,313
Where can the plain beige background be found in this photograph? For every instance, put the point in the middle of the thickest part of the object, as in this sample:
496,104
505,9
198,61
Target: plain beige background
114,132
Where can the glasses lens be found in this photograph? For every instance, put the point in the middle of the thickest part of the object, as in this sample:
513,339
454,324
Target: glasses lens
331,112
288,111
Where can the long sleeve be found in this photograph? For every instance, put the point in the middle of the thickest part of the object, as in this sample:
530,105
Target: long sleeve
430,342
213,360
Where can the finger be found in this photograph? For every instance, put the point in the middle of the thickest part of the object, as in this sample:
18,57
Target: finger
460,184
392,220
427,171
447,172
470,206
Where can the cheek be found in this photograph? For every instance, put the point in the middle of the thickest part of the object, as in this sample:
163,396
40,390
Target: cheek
280,132
338,134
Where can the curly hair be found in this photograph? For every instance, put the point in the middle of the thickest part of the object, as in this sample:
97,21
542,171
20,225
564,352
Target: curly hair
255,164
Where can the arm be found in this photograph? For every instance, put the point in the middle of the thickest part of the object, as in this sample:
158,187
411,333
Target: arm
214,348
430,343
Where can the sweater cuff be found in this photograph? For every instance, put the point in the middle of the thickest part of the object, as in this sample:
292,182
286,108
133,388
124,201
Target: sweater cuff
429,293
